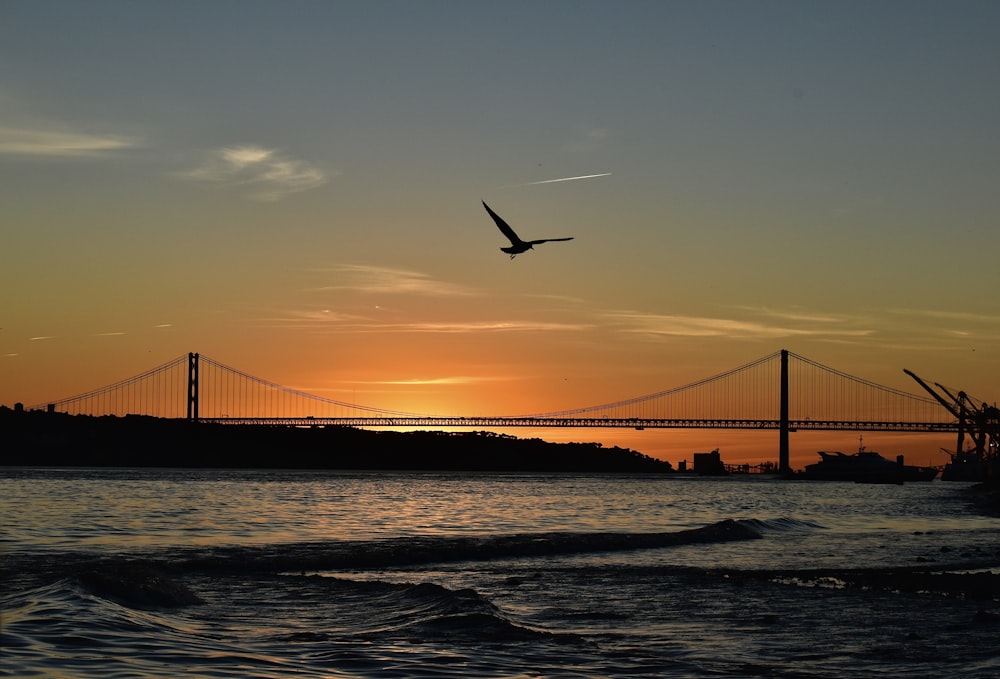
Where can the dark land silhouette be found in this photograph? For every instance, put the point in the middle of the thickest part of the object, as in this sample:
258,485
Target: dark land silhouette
38,438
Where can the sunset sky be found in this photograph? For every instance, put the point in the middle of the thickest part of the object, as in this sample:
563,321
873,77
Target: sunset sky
293,188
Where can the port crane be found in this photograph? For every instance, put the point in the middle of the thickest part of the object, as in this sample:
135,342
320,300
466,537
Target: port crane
977,419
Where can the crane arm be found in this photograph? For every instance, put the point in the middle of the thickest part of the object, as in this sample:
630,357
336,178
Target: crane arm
949,407
956,399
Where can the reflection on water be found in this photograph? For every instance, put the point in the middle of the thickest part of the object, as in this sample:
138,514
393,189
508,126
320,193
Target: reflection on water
65,510
179,507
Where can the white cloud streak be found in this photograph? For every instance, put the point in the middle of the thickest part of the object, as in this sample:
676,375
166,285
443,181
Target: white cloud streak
384,280
795,315
269,175
325,321
897,329
25,141
699,326
950,316
486,326
418,382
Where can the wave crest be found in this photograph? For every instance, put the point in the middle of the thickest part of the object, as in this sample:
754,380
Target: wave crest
412,551
780,525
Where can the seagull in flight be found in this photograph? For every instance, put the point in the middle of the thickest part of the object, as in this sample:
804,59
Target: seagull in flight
517,246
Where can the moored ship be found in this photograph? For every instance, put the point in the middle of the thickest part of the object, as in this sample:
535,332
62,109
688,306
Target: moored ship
864,466
968,465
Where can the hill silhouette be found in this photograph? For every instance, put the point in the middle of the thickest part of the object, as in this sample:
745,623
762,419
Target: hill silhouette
36,438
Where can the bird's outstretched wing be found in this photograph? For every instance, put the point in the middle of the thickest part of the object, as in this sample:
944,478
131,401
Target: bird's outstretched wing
503,226
548,240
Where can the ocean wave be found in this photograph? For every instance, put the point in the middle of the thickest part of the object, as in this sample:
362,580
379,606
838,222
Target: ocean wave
71,630
427,610
153,578
413,551
136,587
780,525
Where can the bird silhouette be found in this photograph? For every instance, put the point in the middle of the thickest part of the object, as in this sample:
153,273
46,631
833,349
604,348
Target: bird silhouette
517,246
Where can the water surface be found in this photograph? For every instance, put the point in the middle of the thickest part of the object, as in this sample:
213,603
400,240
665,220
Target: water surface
156,573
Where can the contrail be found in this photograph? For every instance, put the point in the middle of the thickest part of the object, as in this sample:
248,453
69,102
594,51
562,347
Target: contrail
553,181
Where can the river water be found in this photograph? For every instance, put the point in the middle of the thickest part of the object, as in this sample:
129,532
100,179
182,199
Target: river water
117,573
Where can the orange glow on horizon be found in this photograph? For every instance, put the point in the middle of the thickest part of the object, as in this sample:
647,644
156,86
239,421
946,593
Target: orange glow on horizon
454,381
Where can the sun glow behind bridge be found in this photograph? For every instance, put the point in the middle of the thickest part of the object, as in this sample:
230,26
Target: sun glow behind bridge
747,396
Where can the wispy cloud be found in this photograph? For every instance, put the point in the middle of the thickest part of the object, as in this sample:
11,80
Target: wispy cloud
419,382
950,316
700,326
27,141
588,138
267,173
326,321
896,329
955,328
313,318
486,326
384,280
797,315
562,299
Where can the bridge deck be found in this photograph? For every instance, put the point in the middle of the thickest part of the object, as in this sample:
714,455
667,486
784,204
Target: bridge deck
588,422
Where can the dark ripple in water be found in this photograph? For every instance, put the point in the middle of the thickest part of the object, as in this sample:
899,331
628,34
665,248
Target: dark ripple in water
233,614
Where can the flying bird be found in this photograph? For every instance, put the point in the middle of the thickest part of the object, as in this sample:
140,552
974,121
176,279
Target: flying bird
517,246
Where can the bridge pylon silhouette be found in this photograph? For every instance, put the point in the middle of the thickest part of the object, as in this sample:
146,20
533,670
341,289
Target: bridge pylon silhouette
192,390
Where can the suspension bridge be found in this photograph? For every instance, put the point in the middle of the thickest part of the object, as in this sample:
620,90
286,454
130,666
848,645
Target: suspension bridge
782,391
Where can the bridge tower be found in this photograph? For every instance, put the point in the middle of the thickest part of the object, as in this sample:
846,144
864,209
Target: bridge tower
783,458
192,397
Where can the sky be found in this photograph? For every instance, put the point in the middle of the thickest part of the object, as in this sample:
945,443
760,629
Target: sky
293,189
